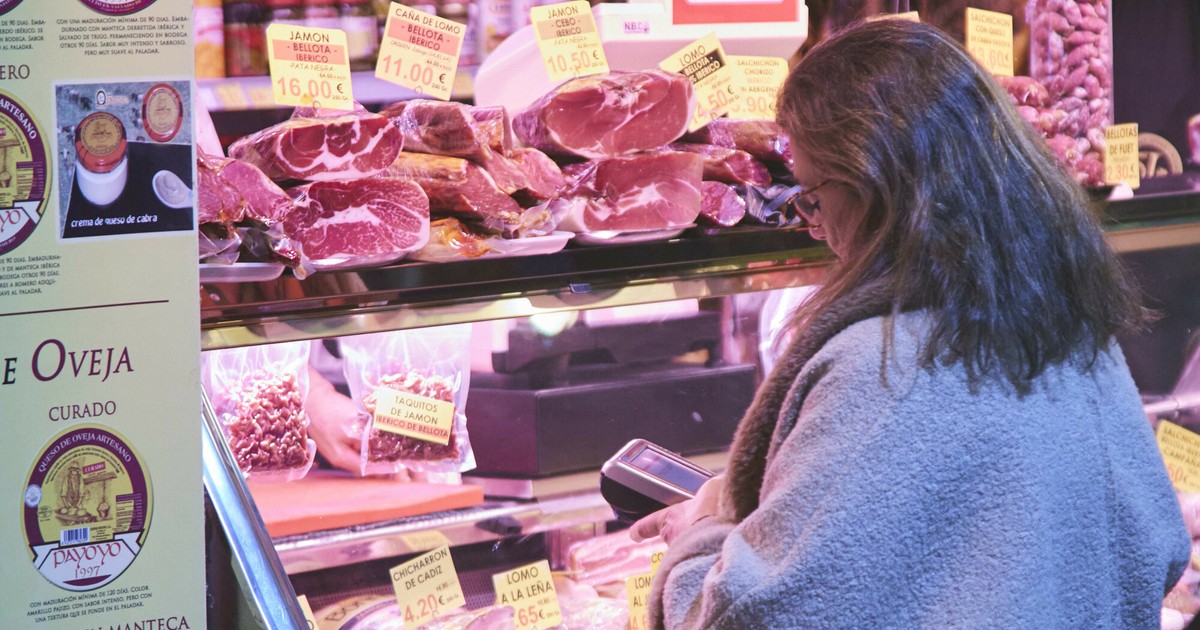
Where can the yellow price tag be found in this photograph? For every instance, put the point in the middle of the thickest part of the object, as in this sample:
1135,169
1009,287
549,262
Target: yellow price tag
637,591
756,80
568,39
427,586
230,96
424,541
530,592
1181,454
911,16
1122,164
704,63
309,66
260,96
404,413
989,36
655,560
420,51
308,613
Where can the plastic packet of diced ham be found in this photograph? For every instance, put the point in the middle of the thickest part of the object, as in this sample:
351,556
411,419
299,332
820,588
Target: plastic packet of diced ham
219,243
258,395
410,390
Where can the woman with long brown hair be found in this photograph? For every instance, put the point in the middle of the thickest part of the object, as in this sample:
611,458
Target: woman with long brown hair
952,439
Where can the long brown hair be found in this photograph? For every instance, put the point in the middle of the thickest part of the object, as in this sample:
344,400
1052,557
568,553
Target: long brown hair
968,215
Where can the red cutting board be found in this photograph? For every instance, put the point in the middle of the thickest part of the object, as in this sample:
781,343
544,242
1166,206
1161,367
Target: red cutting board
327,500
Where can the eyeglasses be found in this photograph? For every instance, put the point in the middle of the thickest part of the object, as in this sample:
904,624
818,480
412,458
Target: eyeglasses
805,204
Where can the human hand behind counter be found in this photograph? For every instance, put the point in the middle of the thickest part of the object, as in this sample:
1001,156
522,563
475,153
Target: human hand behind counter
669,522
328,413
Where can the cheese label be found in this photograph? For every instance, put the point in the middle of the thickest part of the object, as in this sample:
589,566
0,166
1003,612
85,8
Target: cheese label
1181,455
704,63
420,51
309,66
989,39
757,81
427,586
530,591
637,591
1122,164
408,414
568,39
306,608
911,16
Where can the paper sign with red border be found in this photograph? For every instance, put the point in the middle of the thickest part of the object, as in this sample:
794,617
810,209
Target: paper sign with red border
420,51
568,40
309,67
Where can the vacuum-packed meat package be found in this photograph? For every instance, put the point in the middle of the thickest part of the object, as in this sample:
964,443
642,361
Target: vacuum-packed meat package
648,191
446,128
322,148
527,174
410,391
362,222
257,394
610,114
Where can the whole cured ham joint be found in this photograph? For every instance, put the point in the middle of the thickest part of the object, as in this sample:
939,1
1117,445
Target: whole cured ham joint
648,191
611,114
322,149
362,218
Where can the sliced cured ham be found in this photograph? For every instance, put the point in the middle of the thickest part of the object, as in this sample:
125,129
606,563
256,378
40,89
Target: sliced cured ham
322,148
723,164
611,114
720,205
366,218
648,191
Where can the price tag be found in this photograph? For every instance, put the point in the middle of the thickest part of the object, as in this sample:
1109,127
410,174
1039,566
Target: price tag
704,63
404,413
989,36
911,16
308,614
637,590
530,591
427,586
230,96
655,560
1122,164
424,541
756,80
420,51
261,96
567,36
1181,454
309,66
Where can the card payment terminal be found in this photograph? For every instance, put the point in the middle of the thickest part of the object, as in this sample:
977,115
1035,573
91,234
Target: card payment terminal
644,477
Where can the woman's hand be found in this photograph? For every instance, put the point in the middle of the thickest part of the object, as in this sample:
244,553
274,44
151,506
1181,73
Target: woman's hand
671,521
328,412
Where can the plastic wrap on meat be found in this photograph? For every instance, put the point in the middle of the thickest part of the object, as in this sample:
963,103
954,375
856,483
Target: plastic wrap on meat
451,238
390,447
216,200
731,166
648,191
350,146
460,188
720,205
324,112
767,205
379,216
231,190
495,127
763,139
441,128
267,428
611,558
608,114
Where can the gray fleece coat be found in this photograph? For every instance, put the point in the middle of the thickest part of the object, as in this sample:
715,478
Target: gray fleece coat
867,492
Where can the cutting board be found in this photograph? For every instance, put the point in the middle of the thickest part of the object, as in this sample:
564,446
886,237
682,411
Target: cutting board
327,500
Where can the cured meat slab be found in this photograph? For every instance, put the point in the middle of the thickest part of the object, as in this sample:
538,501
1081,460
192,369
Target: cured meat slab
230,190
359,219
723,164
526,173
648,191
454,185
611,114
443,128
720,205
763,139
322,148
